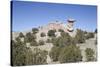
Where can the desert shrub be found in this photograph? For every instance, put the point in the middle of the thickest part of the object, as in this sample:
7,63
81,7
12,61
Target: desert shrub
80,36
41,42
63,40
43,34
17,38
58,42
29,37
49,41
35,30
34,43
85,32
21,35
89,54
64,34
89,35
39,56
54,53
61,30
70,53
21,55
51,33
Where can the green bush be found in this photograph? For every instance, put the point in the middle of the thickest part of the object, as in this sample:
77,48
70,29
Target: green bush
89,54
89,35
54,53
34,43
51,33
49,41
21,55
17,38
35,30
80,36
43,34
29,37
41,42
61,30
85,32
70,53
63,40
39,56
64,34
21,35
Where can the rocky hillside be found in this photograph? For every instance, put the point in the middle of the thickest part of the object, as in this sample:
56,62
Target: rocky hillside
52,40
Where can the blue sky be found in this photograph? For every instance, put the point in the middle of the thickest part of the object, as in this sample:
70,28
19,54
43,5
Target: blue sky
27,15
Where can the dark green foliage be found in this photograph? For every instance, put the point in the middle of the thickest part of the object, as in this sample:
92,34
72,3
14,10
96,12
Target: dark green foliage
85,32
89,35
39,56
80,36
70,53
34,43
17,39
21,55
61,30
63,40
49,41
64,34
41,42
51,33
54,53
89,54
21,35
35,30
29,37
43,34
